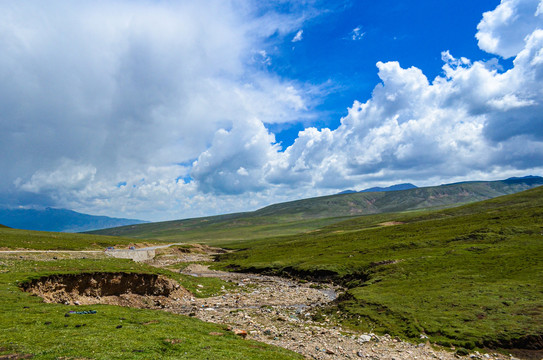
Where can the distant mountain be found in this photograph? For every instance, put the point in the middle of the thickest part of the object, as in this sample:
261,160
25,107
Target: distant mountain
302,215
61,220
397,187
535,179
347,192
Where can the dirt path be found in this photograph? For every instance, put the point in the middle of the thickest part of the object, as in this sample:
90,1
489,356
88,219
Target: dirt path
280,312
51,251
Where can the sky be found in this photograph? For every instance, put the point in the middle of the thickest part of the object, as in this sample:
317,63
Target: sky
160,110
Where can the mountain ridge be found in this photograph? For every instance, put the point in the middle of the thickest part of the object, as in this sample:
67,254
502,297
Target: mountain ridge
61,220
309,214
396,187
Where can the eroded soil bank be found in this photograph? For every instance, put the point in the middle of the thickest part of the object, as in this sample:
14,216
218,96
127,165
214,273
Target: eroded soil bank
125,289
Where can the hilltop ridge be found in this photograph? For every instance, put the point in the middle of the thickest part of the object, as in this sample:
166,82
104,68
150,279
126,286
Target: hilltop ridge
309,214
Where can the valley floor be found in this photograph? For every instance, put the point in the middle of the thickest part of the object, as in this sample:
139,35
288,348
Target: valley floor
280,312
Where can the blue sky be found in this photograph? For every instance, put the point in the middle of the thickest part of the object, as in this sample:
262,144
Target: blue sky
164,110
412,32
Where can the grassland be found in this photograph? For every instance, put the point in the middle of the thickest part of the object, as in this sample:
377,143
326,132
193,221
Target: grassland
307,215
42,240
217,230
30,327
468,276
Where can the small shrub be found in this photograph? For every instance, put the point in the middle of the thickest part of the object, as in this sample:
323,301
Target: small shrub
462,352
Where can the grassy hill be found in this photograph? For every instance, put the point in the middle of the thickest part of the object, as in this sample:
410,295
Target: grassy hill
310,214
470,276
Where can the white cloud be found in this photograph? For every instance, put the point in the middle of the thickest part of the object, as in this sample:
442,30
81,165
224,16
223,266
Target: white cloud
298,36
122,87
473,120
172,101
503,30
357,33
69,176
236,161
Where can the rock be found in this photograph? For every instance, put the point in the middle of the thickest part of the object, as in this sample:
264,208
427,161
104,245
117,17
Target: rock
364,338
240,332
329,352
360,354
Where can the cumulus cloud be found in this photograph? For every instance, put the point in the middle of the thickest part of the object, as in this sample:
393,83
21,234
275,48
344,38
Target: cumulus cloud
68,176
503,30
236,161
473,119
120,87
119,105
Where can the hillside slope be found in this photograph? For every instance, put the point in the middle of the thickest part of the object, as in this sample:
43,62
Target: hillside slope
310,214
470,276
404,200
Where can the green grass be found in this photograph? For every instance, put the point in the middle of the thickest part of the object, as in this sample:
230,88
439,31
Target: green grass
29,326
217,230
471,275
41,240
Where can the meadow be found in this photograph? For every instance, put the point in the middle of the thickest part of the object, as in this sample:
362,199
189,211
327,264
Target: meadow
470,276
31,328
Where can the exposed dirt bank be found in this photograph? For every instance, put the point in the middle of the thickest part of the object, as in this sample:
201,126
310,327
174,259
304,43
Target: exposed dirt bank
137,290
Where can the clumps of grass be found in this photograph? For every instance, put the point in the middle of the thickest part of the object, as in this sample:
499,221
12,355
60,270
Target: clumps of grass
469,276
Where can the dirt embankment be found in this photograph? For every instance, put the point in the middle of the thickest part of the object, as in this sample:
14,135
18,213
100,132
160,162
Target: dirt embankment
126,289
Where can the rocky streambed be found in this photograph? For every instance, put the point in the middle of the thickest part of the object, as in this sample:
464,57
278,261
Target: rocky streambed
281,312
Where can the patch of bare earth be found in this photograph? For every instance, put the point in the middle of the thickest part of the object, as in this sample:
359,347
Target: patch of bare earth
391,223
125,289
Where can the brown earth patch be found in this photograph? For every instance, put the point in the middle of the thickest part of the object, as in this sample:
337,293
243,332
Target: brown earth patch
391,223
125,289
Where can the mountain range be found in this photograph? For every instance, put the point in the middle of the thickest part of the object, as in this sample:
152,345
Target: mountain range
396,187
60,220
